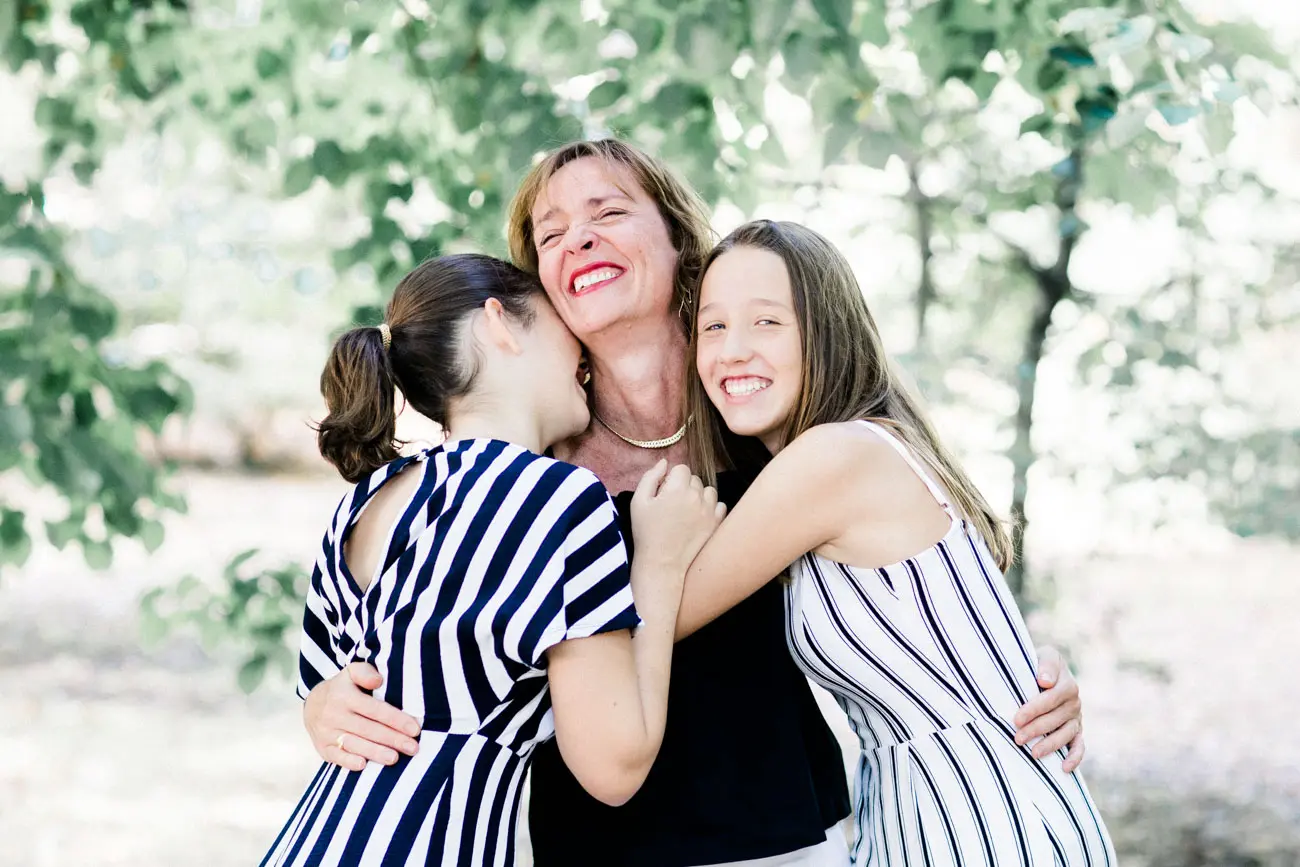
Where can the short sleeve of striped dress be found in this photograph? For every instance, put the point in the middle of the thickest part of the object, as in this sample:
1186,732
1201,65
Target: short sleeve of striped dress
588,590
317,656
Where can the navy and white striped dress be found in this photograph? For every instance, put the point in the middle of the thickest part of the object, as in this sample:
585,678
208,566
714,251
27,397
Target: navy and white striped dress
500,555
930,659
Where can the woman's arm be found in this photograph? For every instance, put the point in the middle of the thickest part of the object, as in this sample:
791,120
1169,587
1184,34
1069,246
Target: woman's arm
610,691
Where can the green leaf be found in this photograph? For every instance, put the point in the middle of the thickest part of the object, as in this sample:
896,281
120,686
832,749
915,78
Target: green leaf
1051,75
843,130
704,47
1072,55
678,98
95,320
837,13
252,673
11,203
606,94
1219,130
1176,115
876,148
561,38
647,32
55,113
380,191
60,533
983,84
153,626
1039,123
298,177
976,15
152,404
98,553
872,26
269,64
151,535
15,544
1098,108
803,58
768,21
331,162
231,572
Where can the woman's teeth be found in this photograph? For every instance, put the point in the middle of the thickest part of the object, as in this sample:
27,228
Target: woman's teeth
740,387
591,278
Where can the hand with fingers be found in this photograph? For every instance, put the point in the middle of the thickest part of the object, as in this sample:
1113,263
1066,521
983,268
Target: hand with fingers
349,727
673,515
1056,714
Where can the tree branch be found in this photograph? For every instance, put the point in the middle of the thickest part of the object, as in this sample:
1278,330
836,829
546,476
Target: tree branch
925,290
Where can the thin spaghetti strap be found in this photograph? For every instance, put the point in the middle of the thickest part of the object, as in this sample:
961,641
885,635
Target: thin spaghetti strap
906,453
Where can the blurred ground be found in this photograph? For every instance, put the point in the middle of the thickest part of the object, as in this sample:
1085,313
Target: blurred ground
114,755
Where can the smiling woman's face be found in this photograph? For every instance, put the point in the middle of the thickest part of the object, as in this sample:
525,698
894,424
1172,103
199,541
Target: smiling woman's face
603,250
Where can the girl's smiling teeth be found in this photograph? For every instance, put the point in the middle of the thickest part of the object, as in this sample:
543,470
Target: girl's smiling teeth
587,279
742,386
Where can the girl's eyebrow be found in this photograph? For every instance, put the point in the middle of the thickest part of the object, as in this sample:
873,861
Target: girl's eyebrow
766,302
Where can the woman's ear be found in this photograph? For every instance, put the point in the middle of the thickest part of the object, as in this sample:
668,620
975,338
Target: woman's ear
498,329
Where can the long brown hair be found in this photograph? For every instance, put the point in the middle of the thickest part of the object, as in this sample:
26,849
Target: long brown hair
427,359
682,209
846,373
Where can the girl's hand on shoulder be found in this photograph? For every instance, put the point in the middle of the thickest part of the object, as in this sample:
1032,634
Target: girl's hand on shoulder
673,515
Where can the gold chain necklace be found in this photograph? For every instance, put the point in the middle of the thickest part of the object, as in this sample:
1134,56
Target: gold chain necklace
646,444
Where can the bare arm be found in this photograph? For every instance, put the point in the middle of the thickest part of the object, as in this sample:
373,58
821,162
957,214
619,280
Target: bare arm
610,691
804,499
798,503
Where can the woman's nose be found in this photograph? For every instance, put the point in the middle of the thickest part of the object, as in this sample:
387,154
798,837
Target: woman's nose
580,238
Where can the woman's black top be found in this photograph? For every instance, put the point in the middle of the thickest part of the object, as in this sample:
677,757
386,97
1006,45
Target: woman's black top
748,766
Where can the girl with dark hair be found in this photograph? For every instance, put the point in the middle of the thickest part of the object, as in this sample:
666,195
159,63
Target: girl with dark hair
895,601
477,574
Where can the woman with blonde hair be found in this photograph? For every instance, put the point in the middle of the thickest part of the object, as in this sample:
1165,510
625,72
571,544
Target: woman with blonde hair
748,770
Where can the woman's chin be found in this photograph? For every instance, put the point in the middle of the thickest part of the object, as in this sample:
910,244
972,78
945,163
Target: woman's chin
609,310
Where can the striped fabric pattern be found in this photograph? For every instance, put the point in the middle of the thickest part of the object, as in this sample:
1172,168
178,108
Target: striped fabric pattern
500,555
930,659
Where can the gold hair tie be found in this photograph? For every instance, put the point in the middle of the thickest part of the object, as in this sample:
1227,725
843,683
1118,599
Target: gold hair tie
387,334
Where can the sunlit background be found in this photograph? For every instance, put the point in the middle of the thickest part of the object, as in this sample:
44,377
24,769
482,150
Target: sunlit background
1078,225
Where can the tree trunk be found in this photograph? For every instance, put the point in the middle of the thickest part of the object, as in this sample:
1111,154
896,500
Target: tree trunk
1048,296
925,292
1053,286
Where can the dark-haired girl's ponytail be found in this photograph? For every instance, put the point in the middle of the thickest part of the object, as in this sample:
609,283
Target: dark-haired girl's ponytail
359,435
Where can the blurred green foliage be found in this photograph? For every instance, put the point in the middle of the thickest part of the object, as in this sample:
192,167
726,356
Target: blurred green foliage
250,612
390,102
72,419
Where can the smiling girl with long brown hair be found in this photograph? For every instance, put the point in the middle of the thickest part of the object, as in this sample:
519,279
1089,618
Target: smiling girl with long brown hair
896,601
